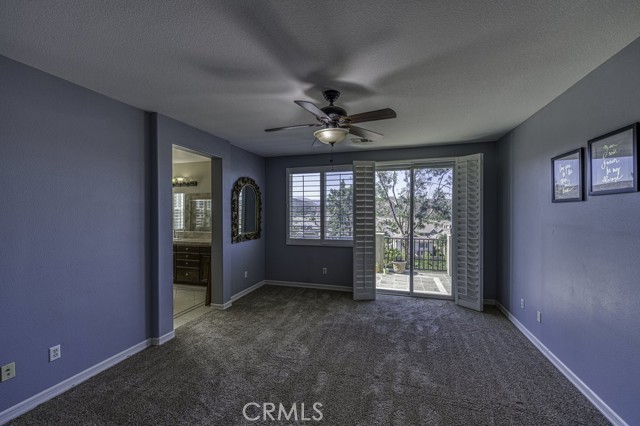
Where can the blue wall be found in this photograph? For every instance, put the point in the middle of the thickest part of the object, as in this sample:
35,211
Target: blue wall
85,229
85,236
239,257
576,262
248,255
74,231
304,264
227,275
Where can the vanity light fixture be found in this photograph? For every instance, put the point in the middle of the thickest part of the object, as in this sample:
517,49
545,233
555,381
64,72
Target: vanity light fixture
184,181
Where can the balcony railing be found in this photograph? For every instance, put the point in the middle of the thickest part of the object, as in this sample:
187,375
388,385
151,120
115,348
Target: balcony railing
429,254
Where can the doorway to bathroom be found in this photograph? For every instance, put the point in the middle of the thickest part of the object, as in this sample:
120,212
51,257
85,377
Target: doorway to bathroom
192,234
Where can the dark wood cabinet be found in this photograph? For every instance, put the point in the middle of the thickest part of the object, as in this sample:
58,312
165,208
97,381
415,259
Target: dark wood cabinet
191,264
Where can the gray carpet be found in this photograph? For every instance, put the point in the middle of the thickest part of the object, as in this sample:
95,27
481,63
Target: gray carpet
395,361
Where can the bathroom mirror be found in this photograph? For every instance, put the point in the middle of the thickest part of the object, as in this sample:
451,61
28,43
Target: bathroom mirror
191,212
246,210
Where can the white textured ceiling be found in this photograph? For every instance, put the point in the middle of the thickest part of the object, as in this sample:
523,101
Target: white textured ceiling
453,70
183,156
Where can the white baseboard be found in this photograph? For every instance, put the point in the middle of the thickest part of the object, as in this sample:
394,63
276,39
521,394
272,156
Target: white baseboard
611,415
221,307
310,285
55,390
489,302
247,291
157,341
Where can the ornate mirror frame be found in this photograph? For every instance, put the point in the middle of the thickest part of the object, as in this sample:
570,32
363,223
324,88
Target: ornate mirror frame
236,235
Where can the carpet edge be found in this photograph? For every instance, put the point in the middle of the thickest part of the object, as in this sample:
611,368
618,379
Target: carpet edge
246,291
59,388
309,285
593,397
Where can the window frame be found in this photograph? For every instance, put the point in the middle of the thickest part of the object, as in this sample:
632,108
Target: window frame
182,211
322,241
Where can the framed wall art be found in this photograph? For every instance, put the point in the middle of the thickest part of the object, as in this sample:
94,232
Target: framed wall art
613,162
567,177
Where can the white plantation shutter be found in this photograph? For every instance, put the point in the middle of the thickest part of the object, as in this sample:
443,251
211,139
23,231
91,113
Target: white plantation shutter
304,205
178,211
364,230
202,214
467,232
338,205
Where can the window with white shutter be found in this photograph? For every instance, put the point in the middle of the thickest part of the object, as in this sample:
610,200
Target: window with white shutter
338,205
304,206
178,211
202,209
320,205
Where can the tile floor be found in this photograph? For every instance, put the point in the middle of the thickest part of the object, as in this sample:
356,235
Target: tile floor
423,282
188,303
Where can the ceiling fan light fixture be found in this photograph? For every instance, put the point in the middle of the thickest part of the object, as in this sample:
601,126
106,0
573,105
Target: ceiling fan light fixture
331,135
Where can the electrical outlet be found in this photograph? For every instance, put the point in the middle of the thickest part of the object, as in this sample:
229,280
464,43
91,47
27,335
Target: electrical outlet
522,303
8,372
324,271
539,316
246,274
54,353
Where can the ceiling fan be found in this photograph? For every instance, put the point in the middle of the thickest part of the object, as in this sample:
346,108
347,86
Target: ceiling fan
335,122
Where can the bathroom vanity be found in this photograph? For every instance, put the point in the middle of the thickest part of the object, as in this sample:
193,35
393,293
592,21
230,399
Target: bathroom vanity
191,260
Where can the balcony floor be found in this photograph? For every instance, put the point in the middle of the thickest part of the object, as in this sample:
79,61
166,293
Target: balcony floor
435,283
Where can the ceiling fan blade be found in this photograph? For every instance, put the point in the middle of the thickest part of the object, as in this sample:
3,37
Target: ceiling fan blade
381,114
364,133
313,109
275,129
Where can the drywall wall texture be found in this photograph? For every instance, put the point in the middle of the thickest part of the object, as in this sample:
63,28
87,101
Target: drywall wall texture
304,264
74,170
85,226
577,263
247,256
228,261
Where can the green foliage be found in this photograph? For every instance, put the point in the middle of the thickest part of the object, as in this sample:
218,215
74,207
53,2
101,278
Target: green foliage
339,212
393,255
432,198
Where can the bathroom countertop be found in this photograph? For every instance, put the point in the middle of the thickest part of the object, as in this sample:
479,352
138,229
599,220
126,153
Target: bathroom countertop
192,241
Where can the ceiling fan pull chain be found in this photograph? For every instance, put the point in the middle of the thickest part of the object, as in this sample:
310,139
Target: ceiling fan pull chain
331,159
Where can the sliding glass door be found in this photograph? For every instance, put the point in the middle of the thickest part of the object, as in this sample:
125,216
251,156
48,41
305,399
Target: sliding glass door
431,225
413,229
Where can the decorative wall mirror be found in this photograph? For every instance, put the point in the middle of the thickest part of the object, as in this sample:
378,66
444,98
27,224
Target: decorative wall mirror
246,210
